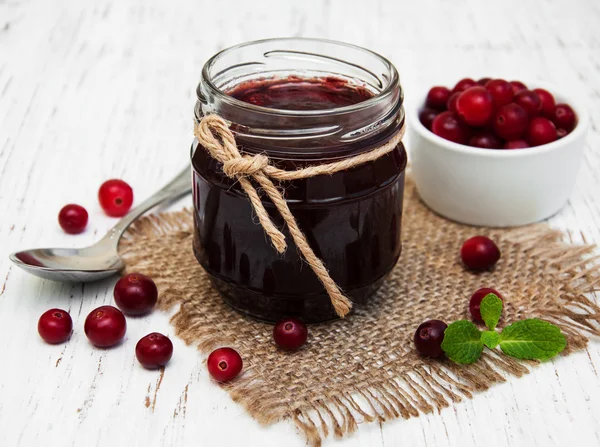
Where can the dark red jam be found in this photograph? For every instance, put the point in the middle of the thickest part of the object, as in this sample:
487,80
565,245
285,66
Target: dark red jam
351,219
295,93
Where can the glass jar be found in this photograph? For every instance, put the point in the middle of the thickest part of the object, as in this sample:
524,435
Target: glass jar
351,219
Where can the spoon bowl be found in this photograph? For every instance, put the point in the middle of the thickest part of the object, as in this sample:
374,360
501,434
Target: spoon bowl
102,259
68,264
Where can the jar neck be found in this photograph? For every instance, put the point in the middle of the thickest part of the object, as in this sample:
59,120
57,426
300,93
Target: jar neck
331,133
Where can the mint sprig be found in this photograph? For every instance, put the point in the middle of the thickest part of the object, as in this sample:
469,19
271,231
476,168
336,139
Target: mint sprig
530,339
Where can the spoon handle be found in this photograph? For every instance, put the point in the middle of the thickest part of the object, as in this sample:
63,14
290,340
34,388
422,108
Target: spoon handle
177,187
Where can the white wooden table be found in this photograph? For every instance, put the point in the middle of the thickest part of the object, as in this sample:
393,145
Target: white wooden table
91,90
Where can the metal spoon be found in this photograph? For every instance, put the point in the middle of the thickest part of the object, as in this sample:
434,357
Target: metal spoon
101,259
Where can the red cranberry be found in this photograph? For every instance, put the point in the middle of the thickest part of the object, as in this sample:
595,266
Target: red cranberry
485,140
290,334
135,294
55,326
448,126
464,84
516,144
541,131
105,326
73,218
560,133
510,121
479,253
484,81
501,91
426,116
475,106
530,102
429,337
547,101
477,297
224,364
115,197
154,350
564,117
437,98
451,105
517,86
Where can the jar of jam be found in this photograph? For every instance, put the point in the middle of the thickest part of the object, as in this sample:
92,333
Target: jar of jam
301,102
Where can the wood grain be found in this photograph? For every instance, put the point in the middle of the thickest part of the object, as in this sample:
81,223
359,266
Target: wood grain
99,89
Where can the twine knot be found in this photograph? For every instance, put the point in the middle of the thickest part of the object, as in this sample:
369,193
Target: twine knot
214,136
245,165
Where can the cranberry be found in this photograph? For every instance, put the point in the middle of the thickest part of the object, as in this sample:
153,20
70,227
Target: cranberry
479,253
105,326
154,350
290,334
484,81
429,337
437,98
55,326
516,144
426,116
448,126
564,117
485,140
464,84
510,121
451,105
530,102
517,86
73,218
501,91
541,131
560,133
135,294
476,298
224,364
115,197
547,101
475,106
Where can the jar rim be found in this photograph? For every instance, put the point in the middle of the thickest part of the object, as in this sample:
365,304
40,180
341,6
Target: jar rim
387,91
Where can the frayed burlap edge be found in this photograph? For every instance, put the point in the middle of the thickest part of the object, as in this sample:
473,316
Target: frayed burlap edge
428,387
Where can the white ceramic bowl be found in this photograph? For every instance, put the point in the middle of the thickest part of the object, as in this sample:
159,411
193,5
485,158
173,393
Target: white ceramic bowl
497,188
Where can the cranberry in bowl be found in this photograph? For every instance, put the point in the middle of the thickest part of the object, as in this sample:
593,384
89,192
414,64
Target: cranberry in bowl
492,174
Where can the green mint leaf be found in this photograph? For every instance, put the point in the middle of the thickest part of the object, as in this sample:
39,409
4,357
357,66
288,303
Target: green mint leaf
462,342
491,309
532,339
490,339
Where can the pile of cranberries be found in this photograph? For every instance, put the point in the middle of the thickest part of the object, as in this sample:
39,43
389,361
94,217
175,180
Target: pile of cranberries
136,294
477,253
496,114
105,326
115,197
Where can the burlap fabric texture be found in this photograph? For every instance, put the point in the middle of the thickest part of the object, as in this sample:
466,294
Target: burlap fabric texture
364,368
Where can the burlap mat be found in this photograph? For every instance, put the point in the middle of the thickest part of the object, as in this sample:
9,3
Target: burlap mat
364,368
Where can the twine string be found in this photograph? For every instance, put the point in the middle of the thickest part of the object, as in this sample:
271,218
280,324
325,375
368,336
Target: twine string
214,135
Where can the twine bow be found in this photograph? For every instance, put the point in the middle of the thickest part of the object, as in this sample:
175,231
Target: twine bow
214,135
